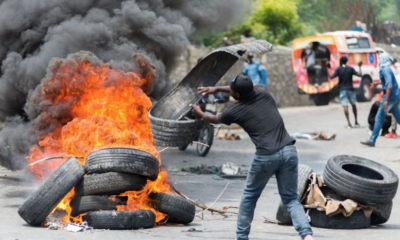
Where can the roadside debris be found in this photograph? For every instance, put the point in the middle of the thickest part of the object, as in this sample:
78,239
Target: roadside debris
314,136
192,230
74,227
227,170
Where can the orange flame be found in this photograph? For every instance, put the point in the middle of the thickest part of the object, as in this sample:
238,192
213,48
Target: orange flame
94,106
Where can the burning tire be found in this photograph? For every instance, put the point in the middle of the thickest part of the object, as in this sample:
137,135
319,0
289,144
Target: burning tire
123,160
178,209
38,206
109,184
381,213
174,133
282,215
95,203
121,220
361,179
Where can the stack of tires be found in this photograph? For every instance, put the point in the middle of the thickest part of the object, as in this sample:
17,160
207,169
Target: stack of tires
349,177
365,181
109,172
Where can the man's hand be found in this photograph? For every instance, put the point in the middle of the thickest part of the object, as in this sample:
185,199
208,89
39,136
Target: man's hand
206,90
197,113
373,86
385,103
360,63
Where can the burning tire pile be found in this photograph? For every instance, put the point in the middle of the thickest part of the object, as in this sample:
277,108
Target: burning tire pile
365,187
102,196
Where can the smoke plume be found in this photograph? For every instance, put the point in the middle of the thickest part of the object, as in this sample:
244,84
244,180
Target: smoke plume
32,32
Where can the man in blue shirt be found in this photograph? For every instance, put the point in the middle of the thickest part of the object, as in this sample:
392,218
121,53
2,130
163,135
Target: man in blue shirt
252,69
390,99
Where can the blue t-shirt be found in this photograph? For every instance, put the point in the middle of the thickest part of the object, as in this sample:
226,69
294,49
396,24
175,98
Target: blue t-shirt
389,81
253,71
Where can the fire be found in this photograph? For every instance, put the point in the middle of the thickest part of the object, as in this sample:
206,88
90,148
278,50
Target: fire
88,106
140,199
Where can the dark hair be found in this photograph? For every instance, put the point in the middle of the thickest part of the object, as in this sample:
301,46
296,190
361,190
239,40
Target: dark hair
343,60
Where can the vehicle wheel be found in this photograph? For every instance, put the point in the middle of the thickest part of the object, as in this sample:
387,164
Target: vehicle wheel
361,179
356,221
381,213
39,205
178,209
95,203
364,92
126,160
206,136
322,99
109,184
282,215
120,219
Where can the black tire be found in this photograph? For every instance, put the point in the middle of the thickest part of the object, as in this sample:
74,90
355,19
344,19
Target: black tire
356,221
120,219
183,148
174,133
126,160
361,179
381,213
322,99
39,205
282,215
178,209
206,136
111,183
95,203
364,92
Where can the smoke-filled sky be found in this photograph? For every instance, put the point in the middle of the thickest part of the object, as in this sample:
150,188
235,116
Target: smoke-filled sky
34,31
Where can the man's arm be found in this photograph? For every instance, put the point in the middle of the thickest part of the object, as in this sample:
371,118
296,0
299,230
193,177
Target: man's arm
198,113
359,73
334,74
388,83
211,90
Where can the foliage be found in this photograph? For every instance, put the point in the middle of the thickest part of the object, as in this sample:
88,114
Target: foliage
279,21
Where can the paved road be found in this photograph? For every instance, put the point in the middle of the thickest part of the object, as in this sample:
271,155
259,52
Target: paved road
206,188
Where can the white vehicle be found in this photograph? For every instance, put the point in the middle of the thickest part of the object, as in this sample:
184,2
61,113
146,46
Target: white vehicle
357,46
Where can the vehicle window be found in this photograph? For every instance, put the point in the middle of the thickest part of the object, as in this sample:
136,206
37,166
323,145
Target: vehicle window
357,42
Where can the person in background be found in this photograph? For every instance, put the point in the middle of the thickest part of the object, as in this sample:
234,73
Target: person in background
252,69
393,127
372,115
310,63
256,112
347,94
390,99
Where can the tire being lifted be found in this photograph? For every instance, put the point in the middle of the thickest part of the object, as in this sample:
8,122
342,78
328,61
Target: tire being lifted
178,209
361,179
121,219
39,205
126,160
282,215
111,183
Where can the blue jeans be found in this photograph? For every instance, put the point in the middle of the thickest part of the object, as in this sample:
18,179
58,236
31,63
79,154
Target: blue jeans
392,107
284,164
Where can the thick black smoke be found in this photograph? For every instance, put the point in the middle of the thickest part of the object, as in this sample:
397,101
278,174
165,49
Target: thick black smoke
34,31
